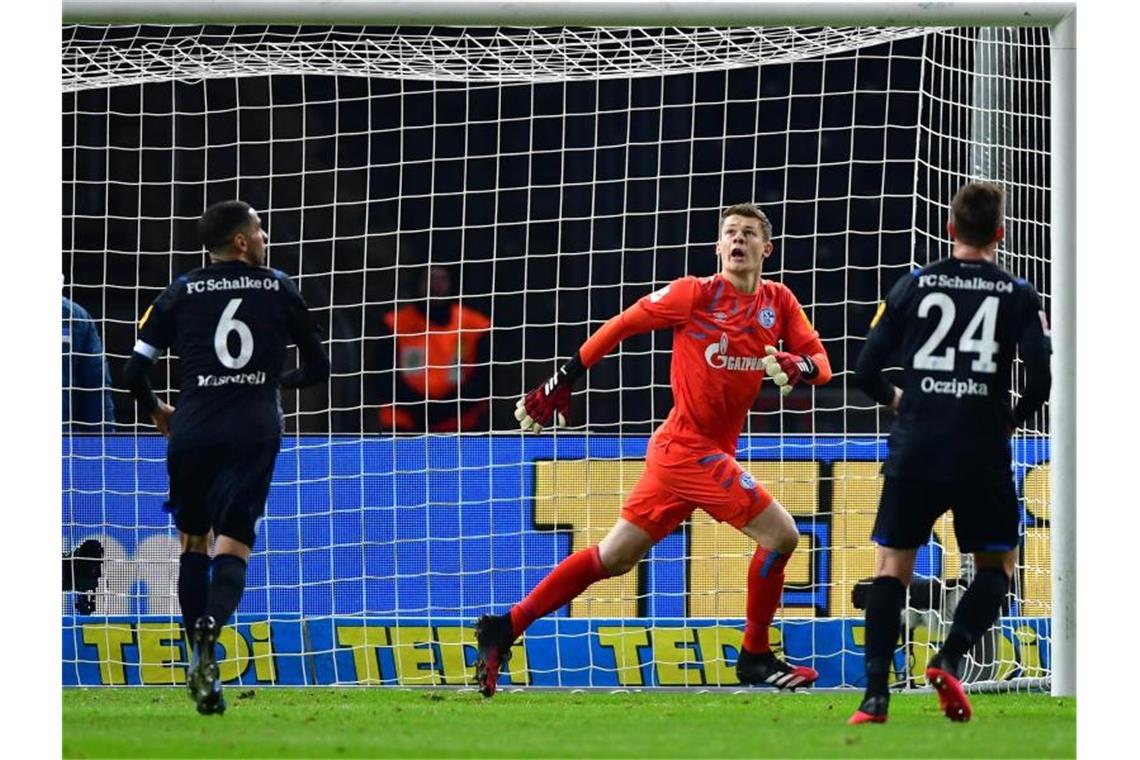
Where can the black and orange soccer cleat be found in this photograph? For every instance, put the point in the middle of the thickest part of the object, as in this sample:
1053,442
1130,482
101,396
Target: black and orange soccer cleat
769,670
951,696
872,710
494,636
202,681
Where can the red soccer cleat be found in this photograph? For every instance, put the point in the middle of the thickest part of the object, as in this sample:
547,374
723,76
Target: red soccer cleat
768,669
873,710
951,697
494,636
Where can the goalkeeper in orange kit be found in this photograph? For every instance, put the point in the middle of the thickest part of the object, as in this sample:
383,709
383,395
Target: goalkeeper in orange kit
726,328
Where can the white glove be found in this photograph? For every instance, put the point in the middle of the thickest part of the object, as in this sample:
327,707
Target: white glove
549,403
528,424
772,367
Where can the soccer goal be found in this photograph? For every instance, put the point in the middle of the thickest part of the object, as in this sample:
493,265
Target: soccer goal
558,161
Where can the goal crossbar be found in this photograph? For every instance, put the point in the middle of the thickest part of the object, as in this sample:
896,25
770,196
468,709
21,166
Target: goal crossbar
591,13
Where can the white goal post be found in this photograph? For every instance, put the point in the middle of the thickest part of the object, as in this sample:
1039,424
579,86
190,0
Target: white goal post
512,50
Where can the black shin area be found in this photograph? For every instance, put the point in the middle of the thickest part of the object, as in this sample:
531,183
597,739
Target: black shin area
226,587
885,600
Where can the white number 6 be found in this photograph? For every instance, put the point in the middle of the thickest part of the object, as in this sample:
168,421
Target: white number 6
226,325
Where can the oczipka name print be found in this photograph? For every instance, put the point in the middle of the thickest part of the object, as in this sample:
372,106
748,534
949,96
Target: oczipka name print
956,388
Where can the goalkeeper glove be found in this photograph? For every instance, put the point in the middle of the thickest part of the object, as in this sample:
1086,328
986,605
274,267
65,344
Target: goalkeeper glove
549,402
788,369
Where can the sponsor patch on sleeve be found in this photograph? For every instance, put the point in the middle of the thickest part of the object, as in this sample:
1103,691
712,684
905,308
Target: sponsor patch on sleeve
879,313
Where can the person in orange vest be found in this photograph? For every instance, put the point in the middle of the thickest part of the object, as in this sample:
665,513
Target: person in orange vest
433,363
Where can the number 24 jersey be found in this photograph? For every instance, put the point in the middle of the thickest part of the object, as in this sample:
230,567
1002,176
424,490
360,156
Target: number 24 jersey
955,326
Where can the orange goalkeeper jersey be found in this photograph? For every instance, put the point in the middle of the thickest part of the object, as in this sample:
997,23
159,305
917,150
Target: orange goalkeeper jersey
719,339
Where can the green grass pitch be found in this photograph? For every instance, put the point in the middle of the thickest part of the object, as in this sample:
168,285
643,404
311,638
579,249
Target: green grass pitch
375,722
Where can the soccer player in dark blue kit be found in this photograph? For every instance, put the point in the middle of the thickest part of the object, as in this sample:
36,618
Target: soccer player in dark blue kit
954,327
230,324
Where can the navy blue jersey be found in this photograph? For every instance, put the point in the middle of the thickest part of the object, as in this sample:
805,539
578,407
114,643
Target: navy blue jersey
955,327
230,325
87,405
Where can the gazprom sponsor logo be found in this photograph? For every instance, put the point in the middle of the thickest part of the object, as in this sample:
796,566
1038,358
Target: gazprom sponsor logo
244,378
955,388
717,356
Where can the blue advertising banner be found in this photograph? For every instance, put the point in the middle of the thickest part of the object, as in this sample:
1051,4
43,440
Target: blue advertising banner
406,533
555,652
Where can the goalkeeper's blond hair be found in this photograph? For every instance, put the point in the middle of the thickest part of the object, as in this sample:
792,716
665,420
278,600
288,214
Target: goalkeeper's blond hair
750,210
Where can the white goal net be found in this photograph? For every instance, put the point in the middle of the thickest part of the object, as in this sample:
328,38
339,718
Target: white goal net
554,175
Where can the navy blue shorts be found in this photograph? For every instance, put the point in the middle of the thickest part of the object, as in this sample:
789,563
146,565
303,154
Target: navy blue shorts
221,487
986,517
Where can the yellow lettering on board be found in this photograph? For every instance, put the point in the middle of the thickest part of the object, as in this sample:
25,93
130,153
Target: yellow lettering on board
586,495
264,666
713,640
109,640
160,654
624,640
235,654
854,502
1029,648
675,658
454,641
720,554
1037,550
415,656
365,641
1006,657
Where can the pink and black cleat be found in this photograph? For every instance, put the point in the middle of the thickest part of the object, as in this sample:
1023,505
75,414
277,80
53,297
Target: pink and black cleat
873,710
951,696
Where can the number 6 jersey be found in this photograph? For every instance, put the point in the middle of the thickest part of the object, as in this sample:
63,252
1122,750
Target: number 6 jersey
956,326
230,325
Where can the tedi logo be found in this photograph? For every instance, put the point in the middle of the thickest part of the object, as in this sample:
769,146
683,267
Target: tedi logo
716,354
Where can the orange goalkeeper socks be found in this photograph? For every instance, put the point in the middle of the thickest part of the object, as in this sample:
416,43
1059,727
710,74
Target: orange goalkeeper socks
570,578
765,587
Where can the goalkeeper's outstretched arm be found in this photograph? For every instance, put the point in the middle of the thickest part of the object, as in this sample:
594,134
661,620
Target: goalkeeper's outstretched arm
549,403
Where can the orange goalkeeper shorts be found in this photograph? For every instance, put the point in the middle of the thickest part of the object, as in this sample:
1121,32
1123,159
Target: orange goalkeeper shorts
679,478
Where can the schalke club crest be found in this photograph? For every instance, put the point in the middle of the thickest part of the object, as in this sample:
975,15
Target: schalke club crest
767,317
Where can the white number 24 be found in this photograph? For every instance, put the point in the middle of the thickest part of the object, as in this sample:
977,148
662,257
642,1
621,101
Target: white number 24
984,321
